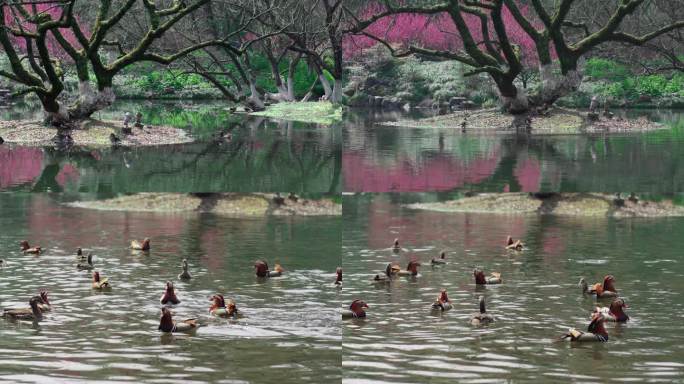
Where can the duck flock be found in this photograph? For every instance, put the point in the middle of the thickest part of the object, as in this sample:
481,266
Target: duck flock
605,293
220,307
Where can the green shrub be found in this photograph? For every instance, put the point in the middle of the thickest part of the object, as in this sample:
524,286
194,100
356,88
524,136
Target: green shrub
604,69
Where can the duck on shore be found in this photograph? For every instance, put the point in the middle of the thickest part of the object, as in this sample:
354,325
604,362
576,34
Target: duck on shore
169,296
442,303
185,275
167,325
33,313
356,310
595,332
114,140
138,246
100,283
516,245
261,268
481,279
439,261
278,200
481,317
601,290
615,312
292,197
27,249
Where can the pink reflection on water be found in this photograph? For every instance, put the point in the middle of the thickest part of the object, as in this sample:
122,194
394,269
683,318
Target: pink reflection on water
215,246
528,174
68,174
50,227
552,242
435,174
19,165
416,228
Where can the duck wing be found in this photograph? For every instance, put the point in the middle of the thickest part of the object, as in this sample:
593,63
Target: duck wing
19,313
192,322
574,333
185,325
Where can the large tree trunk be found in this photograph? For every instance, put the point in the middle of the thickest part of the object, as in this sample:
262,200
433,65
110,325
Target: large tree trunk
54,113
327,89
90,101
254,100
290,87
555,86
336,96
514,100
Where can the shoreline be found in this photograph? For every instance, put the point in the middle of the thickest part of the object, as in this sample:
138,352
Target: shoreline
557,204
316,112
237,205
559,121
93,133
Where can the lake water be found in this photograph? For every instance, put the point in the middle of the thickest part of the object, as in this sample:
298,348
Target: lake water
263,155
380,158
291,329
402,342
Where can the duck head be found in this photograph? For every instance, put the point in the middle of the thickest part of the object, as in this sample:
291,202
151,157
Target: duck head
24,245
509,240
146,244
184,264
339,275
396,244
479,276
616,309
231,308
217,302
443,298
261,268
96,277
357,307
44,297
413,267
442,255
166,321
79,251
596,326
609,283
169,292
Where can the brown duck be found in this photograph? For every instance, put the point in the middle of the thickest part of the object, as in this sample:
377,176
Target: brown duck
166,323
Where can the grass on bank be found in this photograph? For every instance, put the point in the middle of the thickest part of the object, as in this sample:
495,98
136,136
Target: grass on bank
310,112
561,204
